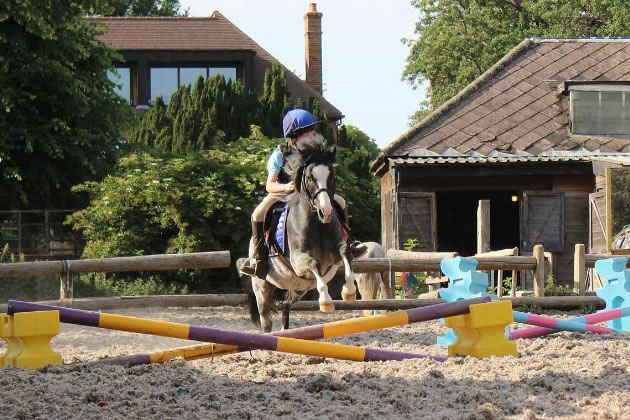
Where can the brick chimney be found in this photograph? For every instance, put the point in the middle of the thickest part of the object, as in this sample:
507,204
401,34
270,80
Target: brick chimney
313,47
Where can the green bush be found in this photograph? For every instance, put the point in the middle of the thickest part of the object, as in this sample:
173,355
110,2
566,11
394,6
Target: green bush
157,204
419,286
552,289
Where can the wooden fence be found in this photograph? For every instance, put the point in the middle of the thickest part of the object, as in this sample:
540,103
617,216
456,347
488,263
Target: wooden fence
503,260
413,262
66,268
583,262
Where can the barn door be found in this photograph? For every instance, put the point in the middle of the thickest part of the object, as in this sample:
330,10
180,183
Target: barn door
416,218
597,223
542,220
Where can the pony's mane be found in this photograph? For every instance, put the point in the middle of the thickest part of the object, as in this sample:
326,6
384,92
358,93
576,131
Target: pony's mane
316,147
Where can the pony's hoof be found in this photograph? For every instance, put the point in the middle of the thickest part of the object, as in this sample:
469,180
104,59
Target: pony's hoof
347,296
327,307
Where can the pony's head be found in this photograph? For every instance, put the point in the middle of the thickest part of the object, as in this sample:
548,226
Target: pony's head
315,174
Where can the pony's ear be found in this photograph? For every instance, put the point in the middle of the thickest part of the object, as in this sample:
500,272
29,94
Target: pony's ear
331,153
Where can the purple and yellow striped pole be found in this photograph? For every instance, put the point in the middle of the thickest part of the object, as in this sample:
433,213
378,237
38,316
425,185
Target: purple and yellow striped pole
589,319
328,330
216,335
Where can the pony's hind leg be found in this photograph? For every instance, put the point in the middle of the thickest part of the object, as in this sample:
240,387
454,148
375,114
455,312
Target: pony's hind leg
264,298
349,290
292,297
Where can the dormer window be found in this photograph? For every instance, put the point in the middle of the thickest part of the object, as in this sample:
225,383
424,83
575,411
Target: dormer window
600,110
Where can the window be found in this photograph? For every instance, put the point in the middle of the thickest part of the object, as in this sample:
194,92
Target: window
228,72
163,82
122,78
189,75
600,110
166,80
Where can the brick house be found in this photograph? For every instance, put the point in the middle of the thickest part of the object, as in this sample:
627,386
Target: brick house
535,135
162,53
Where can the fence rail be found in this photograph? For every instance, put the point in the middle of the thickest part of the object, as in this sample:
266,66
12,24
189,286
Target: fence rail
194,260
583,262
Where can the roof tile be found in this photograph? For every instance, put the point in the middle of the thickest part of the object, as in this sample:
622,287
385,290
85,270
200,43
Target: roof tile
518,106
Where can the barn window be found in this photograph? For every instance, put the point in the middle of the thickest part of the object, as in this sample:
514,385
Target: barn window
600,110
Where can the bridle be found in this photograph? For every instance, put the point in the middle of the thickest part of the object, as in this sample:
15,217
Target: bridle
313,196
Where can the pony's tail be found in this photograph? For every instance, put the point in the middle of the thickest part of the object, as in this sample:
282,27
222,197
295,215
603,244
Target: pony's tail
252,305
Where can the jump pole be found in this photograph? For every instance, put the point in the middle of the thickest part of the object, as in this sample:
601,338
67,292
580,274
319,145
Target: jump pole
594,318
328,330
216,335
558,324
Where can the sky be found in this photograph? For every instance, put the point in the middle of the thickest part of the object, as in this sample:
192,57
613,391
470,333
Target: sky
363,56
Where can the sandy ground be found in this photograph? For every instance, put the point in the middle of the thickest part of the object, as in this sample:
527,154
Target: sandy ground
562,376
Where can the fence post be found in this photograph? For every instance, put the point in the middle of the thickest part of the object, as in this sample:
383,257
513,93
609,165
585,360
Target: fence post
66,290
514,276
539,273
579,269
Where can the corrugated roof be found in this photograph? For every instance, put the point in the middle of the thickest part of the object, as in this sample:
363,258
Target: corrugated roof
213,33
516,107
505,158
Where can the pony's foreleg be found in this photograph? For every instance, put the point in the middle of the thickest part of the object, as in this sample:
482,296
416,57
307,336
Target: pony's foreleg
349,290
325,301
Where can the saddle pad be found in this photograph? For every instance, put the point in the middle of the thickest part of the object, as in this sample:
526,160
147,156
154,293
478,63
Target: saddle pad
280,234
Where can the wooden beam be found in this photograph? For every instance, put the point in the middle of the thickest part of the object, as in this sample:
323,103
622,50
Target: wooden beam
539,271
590,259
162,301
579,270
401,254
483,226
498,253
188,301
196,260
433,264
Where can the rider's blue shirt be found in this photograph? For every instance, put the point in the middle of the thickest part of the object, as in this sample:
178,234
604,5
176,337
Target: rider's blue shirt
275,162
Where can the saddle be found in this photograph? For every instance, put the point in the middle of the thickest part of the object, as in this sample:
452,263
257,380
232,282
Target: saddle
276,233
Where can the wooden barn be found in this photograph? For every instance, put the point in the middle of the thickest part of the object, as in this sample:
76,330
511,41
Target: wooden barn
534,135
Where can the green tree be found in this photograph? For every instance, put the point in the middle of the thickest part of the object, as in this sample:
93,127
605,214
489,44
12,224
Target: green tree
355,151
145,8
160,203
460,39
213,112
275,102
60,121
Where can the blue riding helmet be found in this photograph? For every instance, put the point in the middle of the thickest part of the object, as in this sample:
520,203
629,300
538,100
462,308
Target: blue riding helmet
296,120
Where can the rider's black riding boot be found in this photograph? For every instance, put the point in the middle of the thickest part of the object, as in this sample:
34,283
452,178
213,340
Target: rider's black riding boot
260,250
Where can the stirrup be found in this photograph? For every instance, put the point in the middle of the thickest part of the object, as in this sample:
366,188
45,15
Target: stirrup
247,268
